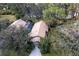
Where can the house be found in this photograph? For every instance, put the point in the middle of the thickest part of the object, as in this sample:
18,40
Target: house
39,29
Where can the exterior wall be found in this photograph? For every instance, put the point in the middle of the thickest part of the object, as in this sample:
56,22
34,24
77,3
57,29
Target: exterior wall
36,39
39,29
35,30
42,30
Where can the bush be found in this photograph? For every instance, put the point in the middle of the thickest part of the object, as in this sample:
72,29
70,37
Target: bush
53,12
15,43
58,44
4,23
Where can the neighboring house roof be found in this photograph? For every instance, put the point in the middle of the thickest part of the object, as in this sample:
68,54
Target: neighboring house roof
39,29
18,23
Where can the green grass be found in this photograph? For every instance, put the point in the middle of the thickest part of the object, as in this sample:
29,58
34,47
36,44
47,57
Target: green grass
59,43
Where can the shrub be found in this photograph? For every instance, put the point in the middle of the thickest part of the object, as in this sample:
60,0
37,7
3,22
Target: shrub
4,23
15,43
